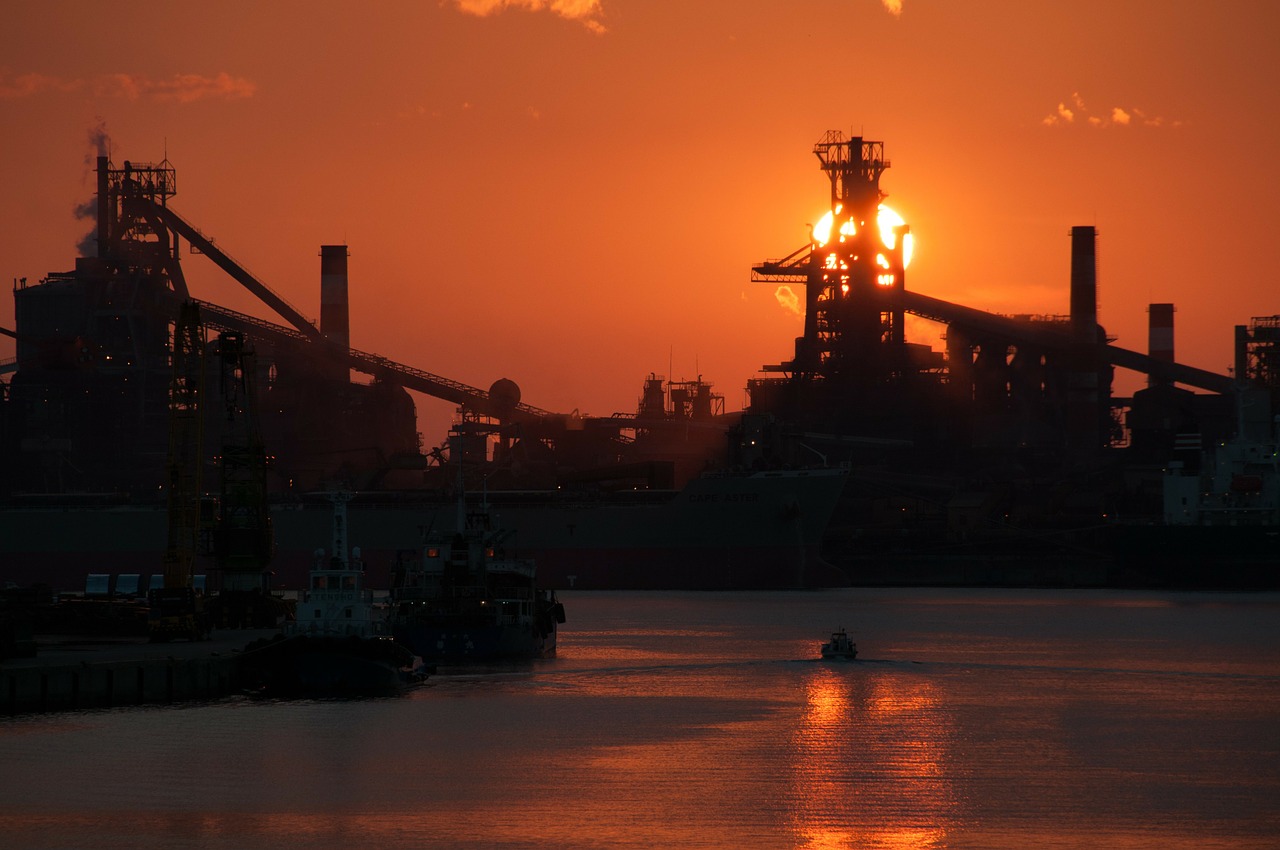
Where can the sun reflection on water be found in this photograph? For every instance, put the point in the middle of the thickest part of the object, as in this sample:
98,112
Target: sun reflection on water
869,763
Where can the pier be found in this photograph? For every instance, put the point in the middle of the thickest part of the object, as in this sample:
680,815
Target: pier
75,672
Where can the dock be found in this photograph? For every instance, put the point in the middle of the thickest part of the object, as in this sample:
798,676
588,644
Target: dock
72,672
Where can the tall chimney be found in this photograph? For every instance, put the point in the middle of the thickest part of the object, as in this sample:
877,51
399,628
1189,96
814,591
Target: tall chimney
1084,283
1086,393
1242,354
335,310
104,205
1159,336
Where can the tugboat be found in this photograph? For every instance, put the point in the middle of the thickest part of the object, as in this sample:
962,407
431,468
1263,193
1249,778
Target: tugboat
463,600
840,647
339,643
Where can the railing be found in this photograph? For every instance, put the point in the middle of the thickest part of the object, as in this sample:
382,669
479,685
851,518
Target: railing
793,268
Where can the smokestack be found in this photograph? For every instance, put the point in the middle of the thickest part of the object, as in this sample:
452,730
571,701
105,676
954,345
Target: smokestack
1086,391
1159,336
335,311
1242,354
1084,283
104,206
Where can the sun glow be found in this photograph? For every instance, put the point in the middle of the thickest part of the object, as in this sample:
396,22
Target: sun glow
822,230
886,221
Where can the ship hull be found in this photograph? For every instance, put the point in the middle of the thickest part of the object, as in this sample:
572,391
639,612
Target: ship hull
307,665
446,644
729,532
1197,557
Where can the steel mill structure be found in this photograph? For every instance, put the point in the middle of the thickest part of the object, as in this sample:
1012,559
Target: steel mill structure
1011,436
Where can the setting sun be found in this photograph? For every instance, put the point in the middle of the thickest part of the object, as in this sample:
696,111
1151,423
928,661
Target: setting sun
886,219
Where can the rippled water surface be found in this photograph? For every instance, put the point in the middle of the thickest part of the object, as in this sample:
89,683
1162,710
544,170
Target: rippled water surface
971,719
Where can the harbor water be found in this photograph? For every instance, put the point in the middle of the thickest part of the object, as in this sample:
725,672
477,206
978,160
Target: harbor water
970,719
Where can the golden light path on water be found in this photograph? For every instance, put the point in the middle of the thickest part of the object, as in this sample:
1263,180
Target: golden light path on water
971,720
858,738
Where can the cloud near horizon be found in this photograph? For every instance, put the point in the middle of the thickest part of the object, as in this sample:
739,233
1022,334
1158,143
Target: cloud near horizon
25,85
585,12
180,88
1074,111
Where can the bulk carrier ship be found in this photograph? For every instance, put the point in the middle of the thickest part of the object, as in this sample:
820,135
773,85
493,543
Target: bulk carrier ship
721,531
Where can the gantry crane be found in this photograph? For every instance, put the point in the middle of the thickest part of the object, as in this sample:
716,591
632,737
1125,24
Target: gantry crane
177,609
243,540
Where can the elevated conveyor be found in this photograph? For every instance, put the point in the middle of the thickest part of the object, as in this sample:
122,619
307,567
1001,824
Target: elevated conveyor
303,330
794,268
375,365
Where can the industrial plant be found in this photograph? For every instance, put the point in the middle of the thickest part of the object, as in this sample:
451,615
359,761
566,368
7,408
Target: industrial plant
1004,458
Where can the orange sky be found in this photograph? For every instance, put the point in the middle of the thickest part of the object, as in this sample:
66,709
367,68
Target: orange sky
571,193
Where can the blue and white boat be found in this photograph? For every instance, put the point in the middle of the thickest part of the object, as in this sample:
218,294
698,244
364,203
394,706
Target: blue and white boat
339,642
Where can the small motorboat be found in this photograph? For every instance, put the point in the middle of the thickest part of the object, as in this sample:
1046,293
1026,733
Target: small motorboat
840,646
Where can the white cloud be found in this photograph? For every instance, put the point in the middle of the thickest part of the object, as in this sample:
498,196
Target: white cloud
1062,115
1116,117
183,88
586,12
25,85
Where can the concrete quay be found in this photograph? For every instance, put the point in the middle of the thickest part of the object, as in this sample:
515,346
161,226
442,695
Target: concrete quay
75,672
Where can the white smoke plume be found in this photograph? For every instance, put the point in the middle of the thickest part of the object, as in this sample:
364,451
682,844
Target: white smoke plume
893,7
788,299
99,145
586,12
99,139
88,244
